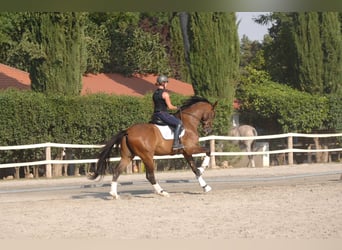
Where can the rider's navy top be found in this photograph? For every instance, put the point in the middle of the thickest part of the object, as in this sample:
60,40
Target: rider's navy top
159,102
160,109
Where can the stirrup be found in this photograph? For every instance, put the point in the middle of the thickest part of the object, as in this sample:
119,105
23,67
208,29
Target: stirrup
177,147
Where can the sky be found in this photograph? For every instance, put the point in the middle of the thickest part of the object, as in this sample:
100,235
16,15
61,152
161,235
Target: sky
248,27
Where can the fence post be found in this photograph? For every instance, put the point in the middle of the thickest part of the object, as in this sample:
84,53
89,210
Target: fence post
290,147
212,150
48,158
17,173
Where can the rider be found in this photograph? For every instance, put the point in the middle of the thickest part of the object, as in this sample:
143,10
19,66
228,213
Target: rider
162,102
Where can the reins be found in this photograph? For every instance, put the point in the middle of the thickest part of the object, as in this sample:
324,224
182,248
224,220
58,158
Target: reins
187,113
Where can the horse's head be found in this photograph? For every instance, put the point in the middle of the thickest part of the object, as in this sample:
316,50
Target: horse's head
208,118
199,109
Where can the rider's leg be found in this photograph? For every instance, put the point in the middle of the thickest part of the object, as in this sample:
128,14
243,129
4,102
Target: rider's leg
176,144
174,122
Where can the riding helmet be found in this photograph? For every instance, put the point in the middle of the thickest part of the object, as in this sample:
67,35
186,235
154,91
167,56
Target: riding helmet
161,79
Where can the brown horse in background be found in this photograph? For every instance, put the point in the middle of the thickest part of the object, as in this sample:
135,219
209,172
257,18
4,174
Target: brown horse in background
145,140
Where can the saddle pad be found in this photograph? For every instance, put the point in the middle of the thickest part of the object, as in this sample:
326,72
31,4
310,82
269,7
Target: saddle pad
167,133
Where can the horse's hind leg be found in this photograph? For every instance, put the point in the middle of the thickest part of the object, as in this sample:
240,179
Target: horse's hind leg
250,157
118,169
149,164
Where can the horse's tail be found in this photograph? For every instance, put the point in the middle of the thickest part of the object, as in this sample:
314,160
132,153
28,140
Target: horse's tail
103,158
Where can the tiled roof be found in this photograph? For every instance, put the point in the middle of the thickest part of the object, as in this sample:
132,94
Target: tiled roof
13,78
100,83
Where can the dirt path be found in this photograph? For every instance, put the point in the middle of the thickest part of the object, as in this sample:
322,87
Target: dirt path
295,208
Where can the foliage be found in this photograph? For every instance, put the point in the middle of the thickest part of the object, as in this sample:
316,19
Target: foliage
251,54
59,66
279,50
29,118
98,45
223,120
145,54
213,54
134,50
16,46
334,120
305,50
23,121
211,48
290,109
331,36
309,61
178,63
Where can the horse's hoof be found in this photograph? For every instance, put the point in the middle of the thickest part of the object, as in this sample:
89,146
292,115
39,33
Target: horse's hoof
114,196
164,194
207,188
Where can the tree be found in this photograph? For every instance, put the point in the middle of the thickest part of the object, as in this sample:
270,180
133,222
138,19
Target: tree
97,43
17,48
61,61
211,46
212,53
251,54
178,52
331,37
280,50
15,45
309,61
133,48
305,50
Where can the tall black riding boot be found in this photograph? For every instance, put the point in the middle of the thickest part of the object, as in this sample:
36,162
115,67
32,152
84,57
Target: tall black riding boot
176,145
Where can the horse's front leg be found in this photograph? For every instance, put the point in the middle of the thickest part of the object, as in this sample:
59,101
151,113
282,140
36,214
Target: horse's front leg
206,159
199,171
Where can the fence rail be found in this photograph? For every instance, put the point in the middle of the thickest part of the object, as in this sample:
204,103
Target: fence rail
48,162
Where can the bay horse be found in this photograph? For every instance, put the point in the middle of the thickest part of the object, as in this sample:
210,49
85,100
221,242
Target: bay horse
145,140
248,145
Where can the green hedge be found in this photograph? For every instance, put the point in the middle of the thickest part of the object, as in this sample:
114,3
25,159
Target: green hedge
335,113
279,108
28,118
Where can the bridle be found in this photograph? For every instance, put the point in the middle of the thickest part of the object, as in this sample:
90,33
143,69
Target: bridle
190,114
203,122
206,119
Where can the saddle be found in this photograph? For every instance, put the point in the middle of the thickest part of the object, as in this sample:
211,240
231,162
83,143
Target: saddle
166,130
156,120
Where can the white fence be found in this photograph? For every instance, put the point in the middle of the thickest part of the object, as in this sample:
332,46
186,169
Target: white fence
289,150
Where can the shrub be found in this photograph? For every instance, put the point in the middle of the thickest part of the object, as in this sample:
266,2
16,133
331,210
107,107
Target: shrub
291,110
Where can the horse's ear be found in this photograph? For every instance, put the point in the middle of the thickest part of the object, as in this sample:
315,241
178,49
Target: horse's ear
214,105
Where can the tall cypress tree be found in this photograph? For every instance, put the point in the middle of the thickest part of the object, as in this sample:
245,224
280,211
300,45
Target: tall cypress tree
311,59
59,66
310,55
280,52
213,53
331,38
178,62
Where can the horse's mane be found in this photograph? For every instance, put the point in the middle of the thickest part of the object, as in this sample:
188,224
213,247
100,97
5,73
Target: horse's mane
192,100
